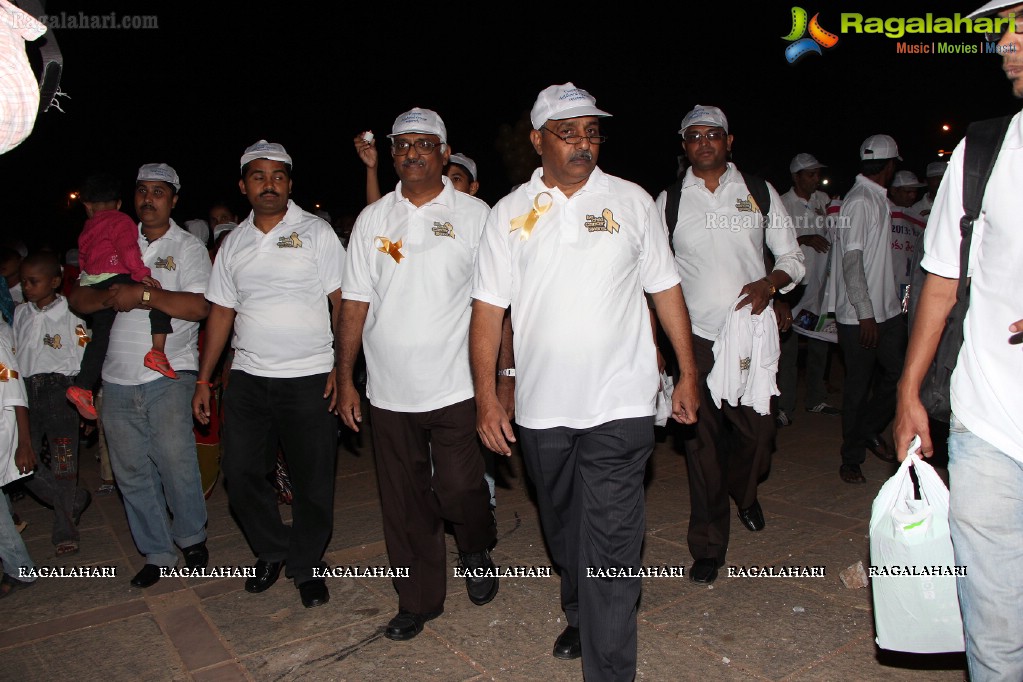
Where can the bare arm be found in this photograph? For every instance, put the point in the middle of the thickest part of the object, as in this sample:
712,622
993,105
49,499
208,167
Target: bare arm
24,456
330,390
492,422
674,318
347,341
506,360
218,329
183,305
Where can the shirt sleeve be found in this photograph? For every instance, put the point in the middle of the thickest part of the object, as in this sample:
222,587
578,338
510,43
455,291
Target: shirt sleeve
356,278
941,238
492,280
781,240
124,237
196,274
658,271
12,390
854,216
330,260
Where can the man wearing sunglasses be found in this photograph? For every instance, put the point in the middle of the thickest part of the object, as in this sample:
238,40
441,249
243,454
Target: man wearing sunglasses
406,300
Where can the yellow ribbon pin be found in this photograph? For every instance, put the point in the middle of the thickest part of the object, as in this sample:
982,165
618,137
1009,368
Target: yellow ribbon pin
6,373
83,337
527,221
393,249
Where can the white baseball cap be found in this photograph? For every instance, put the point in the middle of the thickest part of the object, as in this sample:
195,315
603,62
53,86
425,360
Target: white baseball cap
266,150
801,162
906,178
936,169
704,116
991,8
159,172
467,163
222,228
879,147
416,120
558,102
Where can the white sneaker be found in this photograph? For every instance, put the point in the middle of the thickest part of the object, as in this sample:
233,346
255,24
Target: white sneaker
782,419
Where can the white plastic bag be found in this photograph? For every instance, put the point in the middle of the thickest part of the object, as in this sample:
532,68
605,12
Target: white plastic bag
663,408
912,566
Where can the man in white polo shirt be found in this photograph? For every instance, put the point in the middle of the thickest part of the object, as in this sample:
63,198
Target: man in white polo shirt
572,251
985,445
406,300
147,416
271,281
871,329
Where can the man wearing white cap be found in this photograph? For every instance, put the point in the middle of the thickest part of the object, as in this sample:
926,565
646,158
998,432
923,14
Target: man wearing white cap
985,443
147,416
871,328
935,172
271,282
808,207
406,301
718,240
572,251
907,232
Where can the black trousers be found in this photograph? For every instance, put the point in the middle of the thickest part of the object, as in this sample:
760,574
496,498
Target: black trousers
102,323
259,411
430,470
589,487
728,456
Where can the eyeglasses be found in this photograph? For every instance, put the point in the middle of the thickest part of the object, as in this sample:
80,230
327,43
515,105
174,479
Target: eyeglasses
576,139
424,147
710,136
996,36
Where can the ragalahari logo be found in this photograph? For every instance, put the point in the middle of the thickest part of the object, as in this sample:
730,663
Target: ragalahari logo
802,46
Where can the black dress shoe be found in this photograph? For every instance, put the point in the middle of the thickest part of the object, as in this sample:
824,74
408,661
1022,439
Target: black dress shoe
481,584
880,448
314,593
752,517
267,573
568,645
149,574
407,625
196,556
704,571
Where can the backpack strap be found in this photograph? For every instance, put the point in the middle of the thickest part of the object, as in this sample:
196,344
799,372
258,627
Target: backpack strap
756,185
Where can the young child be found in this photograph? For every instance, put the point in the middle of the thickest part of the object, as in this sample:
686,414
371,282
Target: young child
108,254
16,460
49,343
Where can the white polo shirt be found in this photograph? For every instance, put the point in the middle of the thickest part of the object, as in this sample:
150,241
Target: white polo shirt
49,340
414,266
907,240
924,205
12,394
584,351
180,262
865,224
986,381
719,245
277,283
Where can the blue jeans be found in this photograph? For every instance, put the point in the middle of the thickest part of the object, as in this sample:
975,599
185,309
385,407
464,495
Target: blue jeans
152,452
986,518
13,553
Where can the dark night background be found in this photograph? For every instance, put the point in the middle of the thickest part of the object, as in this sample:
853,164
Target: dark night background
216,77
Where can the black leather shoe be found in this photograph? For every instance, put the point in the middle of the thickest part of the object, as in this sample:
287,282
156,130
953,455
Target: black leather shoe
881,449
481,588
568,645
752,517
704,571
267,573
149,574
314,593
407,625
196,556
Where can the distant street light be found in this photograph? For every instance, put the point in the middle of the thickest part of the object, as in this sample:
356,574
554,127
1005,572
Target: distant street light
946,127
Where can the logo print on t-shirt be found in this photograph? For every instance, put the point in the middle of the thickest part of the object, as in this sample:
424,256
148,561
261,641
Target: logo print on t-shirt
52,341
747,204
605,222
165,263
290,242
445,230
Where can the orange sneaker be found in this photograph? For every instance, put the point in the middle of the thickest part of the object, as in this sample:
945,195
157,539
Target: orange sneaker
82,400
158,362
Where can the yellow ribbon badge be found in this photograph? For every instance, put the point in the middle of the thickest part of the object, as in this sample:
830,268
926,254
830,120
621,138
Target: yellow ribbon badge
83,337
527,221
6,373
393,249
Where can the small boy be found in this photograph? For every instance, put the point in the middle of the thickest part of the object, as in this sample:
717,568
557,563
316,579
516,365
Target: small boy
50,340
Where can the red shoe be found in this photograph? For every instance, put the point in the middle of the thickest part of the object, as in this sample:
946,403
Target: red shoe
82,400
158,362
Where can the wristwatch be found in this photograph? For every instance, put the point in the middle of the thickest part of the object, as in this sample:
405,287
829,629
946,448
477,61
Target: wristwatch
146,294
510,372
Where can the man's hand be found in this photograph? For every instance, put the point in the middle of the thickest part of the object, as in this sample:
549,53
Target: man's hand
685,400
911,420
1017,328
152,283
329,391
756,293
783,311
815,242
367,151
348,402
201,403
124,297
869,333
506,395
493,426
24,458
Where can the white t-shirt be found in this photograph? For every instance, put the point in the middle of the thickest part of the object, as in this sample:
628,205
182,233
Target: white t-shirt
414,266
49,340
277,283
865,224
719,245
12,394
809,217
924,205
986,382
584,351
907,239
180,262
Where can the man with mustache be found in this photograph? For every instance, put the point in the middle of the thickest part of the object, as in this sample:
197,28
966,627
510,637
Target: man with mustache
146,415
572,251
985,444
406,300
271,282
